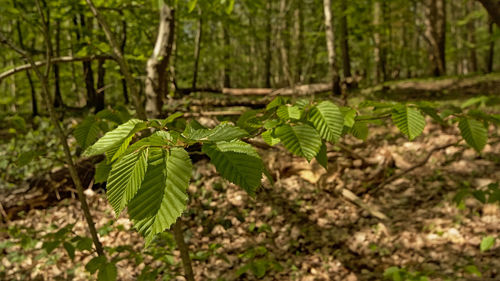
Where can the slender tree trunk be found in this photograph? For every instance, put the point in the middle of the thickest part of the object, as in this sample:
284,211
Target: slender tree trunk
197,47
82,30
436,34
491,50
101,74
184,250
123,44
34,106
330,46
58,101
282,44
379,54
493,9
471,38
299,41
47,98
227,56
157,65
344,44
267,70
120,59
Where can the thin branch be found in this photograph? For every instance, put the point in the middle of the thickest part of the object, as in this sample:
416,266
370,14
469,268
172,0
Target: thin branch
52,61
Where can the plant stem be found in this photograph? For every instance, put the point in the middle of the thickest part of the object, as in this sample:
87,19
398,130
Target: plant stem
184,249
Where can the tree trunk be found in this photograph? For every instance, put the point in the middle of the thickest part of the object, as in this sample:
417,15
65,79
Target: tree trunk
344,44
58,101
282,44
379,54
227,56
101,74
88,74
471,38
34,106
267,70
493,9
123,43
120,59
330,46
197,47
299,41
157,65
436,34
491,50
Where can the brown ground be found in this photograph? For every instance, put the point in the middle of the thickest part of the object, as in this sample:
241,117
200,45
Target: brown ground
305,225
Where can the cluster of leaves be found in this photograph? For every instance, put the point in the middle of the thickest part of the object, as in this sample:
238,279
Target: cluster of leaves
258,261
148,168
395,273
490,194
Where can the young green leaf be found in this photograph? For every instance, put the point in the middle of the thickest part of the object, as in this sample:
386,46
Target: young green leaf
409,120
322,157
360,130
162,197
125,179
487,243
107,272
267,136
222,132
328,120
102,170
237,162
112,140
286,112
474,133
301,140
87,132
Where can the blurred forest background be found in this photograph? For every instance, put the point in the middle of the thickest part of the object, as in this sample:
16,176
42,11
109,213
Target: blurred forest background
71,70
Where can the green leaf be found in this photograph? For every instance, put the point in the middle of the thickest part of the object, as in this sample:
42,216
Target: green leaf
85,243
360,130
191,5
102,170
286,112
87,132
474,133
237,162
95,263
277,101
409,120
112,140
487,243
125,179
249,121
49,246
349,116
107,272
328,120
26,157
222,132
268,137
70,249
322,157
472,269
301,140
162,197
171,118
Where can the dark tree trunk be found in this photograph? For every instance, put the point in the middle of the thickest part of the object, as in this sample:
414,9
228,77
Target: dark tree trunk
197,48
122,48
491,51
101,74
330,46
267,71
436,35
493,9
34,106
58,101
227,56
344,43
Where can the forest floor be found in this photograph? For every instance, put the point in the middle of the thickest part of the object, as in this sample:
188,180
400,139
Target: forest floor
302,228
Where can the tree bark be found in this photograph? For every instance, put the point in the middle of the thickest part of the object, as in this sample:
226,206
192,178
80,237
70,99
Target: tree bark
267,70
493,9
344,44
58,101
330,45
436,35
491,50
184,249
101,74
227,56
34,106
123,43
157,65
285,66
88,72
471,38
120,59
379,53
197,47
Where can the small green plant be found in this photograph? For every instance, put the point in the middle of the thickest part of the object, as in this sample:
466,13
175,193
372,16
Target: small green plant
401,274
